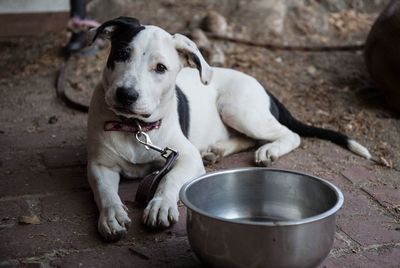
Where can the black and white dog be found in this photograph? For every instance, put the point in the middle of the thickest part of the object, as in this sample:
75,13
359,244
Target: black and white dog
223,112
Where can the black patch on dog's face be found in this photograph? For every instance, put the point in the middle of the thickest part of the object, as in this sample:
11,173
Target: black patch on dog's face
183,111
120,49
125,29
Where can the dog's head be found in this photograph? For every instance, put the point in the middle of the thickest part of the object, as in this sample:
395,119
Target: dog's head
142,66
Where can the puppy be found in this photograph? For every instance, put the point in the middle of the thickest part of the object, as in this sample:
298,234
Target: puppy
223,112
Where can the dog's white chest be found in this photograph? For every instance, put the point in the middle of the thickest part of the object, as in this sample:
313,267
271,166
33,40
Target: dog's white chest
129,150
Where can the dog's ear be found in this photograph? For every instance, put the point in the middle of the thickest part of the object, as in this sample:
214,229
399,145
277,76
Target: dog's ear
188,49
107,29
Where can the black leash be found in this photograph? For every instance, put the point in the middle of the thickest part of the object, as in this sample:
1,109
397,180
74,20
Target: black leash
148,185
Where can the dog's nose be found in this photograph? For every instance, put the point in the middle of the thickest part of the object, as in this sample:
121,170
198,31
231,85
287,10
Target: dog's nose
126,95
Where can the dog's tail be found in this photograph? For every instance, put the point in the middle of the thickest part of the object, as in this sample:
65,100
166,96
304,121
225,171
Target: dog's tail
286,119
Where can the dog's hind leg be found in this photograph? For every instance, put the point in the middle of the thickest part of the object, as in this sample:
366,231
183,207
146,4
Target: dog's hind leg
247,111
282,140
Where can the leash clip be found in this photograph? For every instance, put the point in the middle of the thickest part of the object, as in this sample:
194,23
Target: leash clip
148,186
144,139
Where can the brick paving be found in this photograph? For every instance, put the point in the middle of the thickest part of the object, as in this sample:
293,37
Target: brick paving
43,174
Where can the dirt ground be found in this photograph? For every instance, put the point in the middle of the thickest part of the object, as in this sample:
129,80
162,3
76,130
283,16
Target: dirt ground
42,143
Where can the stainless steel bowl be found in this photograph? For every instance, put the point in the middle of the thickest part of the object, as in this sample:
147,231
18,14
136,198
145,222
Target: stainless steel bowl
260,217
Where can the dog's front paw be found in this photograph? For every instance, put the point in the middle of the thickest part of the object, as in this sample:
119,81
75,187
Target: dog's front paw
114,222
160,213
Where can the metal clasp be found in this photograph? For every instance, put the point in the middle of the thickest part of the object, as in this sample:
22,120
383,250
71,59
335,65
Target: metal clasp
146,141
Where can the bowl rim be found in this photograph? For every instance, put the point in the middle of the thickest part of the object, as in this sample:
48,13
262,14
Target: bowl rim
326,214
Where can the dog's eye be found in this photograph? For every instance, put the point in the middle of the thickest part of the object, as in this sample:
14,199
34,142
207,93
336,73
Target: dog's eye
160,68
122,54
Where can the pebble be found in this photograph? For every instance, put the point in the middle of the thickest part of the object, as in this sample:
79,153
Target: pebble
214,22
200,38
311,70
53,119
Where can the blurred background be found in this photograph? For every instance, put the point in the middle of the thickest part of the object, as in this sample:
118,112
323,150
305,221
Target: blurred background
43,142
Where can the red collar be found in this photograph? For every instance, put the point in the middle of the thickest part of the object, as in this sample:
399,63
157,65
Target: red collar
131,126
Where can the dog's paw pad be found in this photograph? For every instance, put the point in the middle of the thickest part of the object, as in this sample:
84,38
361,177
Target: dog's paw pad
213,154
210,158
113,222
265,155
218,149
160,213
